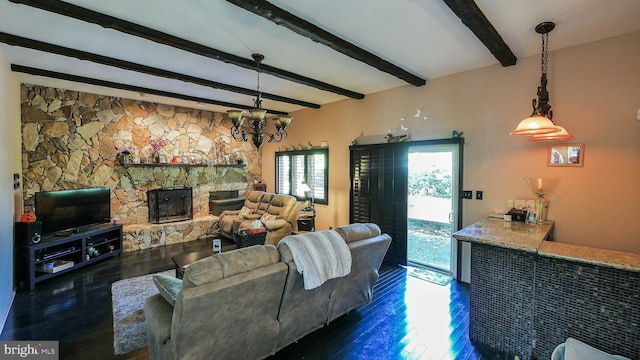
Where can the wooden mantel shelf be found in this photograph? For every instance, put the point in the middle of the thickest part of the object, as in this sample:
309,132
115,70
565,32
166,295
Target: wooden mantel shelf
184,165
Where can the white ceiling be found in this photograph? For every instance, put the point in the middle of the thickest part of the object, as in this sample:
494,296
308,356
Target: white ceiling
423,37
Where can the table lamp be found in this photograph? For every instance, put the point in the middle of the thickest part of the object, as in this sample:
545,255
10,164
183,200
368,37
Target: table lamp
306,189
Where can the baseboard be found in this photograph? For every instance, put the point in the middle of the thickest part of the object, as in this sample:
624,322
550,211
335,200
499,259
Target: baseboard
5,312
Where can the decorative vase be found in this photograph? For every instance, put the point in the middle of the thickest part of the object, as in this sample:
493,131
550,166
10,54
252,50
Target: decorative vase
156,158
126,158
540,204
538,207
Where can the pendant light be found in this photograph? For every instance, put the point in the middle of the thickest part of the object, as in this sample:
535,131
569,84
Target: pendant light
539,124
256,118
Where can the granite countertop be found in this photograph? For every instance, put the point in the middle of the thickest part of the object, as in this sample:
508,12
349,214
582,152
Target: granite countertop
589,255
531,238
508,234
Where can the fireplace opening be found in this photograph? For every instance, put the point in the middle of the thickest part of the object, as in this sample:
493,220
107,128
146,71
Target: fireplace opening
170,204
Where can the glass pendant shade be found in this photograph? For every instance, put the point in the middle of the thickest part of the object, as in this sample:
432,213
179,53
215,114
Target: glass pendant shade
560,134
234,114
236,117
284,120
281,122
534,125
257,114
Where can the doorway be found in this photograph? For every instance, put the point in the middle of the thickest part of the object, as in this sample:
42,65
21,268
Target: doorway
432,206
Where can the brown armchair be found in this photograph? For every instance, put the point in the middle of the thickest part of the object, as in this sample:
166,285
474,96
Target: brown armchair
283,208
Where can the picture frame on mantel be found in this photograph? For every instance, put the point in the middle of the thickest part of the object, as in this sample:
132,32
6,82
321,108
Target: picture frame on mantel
565,155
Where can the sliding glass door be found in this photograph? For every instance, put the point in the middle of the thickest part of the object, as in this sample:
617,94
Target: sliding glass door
432,205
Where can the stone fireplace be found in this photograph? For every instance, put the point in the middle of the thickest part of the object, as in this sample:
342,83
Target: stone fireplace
71,140
170,205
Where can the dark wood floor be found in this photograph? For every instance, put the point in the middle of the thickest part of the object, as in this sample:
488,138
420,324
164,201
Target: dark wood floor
408,318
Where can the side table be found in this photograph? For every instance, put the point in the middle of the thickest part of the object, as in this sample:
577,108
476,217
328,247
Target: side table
182,261
306,219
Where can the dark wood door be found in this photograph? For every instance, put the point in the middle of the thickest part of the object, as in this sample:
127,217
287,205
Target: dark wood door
379,193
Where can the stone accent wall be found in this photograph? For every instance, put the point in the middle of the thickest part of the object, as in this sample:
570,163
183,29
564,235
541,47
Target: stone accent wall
70,140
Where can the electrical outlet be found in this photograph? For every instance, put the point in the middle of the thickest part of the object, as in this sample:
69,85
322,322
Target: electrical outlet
478,194
466,194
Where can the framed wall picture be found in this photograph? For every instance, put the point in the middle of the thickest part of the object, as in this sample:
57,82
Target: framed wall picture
565,155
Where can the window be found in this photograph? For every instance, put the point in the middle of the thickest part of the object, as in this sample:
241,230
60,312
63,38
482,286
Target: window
294,167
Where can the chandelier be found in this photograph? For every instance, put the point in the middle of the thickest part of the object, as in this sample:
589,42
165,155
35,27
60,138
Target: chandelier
539,125
256,118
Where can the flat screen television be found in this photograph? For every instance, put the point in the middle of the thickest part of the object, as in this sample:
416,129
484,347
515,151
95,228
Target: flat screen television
67,210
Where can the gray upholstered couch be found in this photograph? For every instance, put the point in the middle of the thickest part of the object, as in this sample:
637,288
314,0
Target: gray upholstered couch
283,209
251,302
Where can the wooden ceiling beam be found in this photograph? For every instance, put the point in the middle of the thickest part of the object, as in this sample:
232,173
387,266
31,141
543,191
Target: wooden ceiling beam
110,22
139,89
14,40
471,15
302,27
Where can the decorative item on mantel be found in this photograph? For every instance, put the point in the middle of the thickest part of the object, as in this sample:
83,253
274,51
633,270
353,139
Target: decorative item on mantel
256,117
125,152
156,145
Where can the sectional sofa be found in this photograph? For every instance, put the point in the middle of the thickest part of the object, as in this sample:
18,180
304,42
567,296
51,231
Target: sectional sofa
251,302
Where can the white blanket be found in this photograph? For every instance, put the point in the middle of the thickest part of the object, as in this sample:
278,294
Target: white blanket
319,256
574,349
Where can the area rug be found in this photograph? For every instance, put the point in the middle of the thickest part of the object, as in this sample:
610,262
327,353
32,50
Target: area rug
429,275
127,297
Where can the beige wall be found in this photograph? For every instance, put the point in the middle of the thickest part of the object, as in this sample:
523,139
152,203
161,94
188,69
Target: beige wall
9,165
594,93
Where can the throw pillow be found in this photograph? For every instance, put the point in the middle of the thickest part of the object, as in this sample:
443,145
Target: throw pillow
245,211
267,217
168,286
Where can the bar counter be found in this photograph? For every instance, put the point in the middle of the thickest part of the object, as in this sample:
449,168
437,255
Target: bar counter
528,294
536,239
508,234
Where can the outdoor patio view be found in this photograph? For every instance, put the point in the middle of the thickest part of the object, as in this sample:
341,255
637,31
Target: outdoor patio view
430,199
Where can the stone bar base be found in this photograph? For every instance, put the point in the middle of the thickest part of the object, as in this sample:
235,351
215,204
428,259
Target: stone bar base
501,309
526,304
145,236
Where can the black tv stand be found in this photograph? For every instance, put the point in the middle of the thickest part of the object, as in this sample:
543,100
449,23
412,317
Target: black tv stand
67,251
